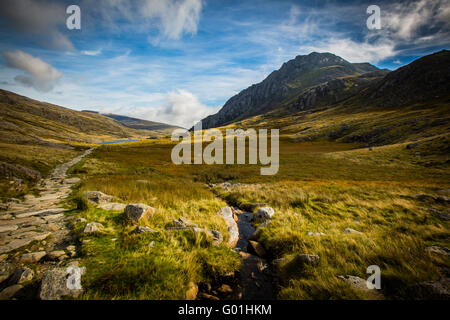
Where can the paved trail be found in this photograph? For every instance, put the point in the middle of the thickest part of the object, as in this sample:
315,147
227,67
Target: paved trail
36,218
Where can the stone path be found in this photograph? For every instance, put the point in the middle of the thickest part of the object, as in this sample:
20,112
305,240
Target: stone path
37,218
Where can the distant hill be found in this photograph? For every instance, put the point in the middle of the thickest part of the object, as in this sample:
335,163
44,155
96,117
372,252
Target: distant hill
301,83
27,121
373,108
141,124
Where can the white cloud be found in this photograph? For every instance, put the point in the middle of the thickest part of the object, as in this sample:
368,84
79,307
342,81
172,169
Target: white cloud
181,108
38,74
354,51
172,18
91,52
176,17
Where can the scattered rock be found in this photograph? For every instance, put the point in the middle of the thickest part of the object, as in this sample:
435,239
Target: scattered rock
227,214
3,257
54,285
431,290
98,197
207,296
138,211
315,234
10,292
72,180
355,282
32,257
438,250
22,275
257,248
191,293
225,289
301,260
8,228
183,222
78,220
54,255
112,206
140,229
93,227
351,231
264,213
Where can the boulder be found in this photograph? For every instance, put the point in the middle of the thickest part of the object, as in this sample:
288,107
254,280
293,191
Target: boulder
56,284
355,282
301,260
22,275
315,234
256,248
98,197
138,211
140,229
10,292
439,250
32,257
93,227
227,214
264,213
183,222
191,293
54,255
114,206
351,231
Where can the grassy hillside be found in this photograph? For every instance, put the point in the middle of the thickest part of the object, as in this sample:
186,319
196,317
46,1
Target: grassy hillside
36,136
321,187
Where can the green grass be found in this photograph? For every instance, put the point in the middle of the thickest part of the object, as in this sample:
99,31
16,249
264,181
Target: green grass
321,187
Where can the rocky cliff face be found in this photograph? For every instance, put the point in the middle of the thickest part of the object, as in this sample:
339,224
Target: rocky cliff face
303,80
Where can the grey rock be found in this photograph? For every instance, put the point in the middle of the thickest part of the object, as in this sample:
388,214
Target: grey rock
138,211
315,234
98,197
112,206
93,227
305,259
22,275
227,214
183,222
351,231
54,255
32,257
140,229
438,250
355,282
54,285
265,213
10,292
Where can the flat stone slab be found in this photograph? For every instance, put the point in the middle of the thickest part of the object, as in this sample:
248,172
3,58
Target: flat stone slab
112,206
7,228
41,212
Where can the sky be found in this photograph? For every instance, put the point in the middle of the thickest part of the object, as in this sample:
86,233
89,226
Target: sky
177,61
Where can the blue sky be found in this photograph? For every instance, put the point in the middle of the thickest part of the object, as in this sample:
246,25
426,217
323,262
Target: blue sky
177,61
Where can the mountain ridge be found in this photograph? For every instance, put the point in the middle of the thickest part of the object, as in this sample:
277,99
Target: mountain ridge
292,79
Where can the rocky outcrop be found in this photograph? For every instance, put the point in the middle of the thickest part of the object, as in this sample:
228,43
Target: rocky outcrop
227,214
138,211
313,77
265,213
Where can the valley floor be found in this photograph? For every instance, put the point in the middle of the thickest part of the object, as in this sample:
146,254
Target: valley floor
339,209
